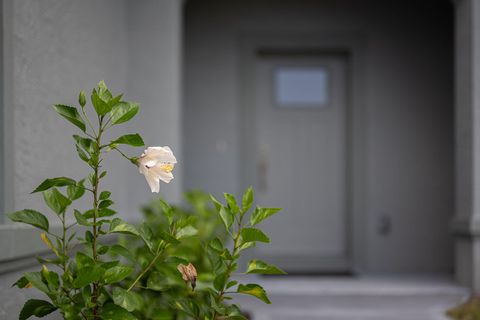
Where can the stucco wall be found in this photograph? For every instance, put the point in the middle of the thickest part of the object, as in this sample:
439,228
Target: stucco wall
55,48
59,47
408,117
154,78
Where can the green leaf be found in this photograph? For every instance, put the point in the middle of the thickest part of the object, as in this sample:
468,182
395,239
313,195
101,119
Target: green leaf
216,245
100,106
261,214
247,200
81,220
164,314
225,254
71,114
226,216
120,226
253,234
82,154
232,203
187,231
88,236
117,274
220,281
30,217
167,237
35,278
105,204
234,313
88,275
167,210
83,260
76,191
35,307
258,266
134,140
103,92
245,246
189,307
109,264
254,290
105,195
89,214
114,101
121,251
147,236
87,144
54,182
186,220
158,282
102,212
111,311
106,212
216,203
102,249
231,284
21,283
56,200
51,277
124,111
126,299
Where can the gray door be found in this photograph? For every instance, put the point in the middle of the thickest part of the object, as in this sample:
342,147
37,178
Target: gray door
300,110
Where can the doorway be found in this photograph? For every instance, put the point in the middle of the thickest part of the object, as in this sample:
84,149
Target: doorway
300,123
398,119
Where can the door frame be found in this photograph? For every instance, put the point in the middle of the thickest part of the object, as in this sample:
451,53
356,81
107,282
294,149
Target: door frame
354,45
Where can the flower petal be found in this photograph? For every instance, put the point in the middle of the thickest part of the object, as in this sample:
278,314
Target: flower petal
163,154
153,181
148,162
161,174
156,163
142,169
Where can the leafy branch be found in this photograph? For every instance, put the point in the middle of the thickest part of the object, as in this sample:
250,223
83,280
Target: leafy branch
244,235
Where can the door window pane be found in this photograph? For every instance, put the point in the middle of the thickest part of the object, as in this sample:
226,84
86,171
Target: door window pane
301,86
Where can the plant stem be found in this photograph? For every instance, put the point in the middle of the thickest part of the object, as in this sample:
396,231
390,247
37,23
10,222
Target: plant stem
96,287
143,272
160,250
132,160
230,264
64,244
73,301
89,123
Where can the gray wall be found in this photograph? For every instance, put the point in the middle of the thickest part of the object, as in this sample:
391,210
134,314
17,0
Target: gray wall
53,56
154,79
55,48
408,117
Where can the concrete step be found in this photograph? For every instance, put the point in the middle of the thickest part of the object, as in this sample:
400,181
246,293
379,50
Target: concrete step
353,298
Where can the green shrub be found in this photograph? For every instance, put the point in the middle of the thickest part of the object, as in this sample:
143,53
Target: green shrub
152,272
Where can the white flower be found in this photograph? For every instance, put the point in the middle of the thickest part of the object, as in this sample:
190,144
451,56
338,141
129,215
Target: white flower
156,163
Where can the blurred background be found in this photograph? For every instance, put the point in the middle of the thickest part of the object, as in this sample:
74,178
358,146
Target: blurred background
359,118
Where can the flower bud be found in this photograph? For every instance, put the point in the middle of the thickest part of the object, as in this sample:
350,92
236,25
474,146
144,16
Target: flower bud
81,98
